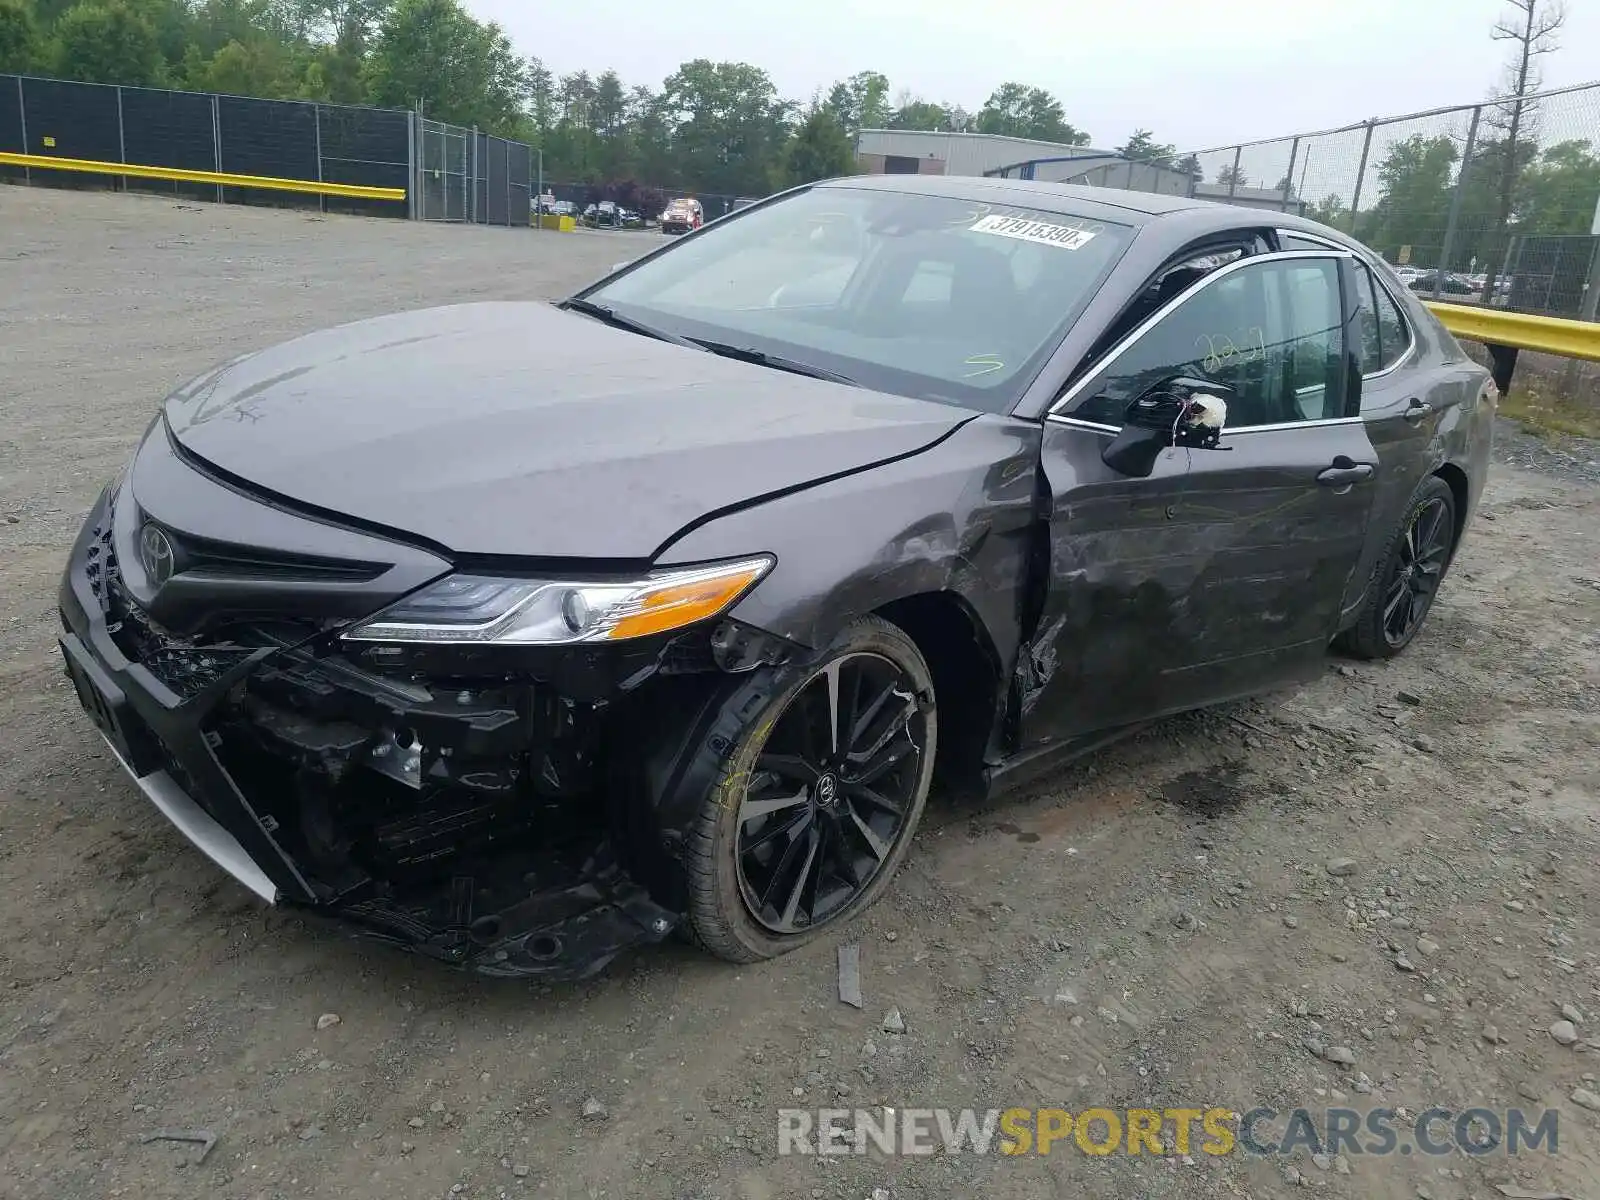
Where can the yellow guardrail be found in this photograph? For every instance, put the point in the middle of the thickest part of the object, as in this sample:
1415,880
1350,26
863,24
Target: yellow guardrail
1547,335
84,166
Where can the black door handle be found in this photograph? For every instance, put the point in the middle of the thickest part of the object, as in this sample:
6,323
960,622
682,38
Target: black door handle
1344,474
1416,410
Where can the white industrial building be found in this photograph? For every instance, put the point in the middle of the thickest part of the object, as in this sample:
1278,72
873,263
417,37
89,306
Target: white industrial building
912,152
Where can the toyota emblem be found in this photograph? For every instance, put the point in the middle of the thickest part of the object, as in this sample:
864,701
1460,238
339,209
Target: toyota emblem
156,555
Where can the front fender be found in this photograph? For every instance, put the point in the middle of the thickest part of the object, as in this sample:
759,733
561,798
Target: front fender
954,518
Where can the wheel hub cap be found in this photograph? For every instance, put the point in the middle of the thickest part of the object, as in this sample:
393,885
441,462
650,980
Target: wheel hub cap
828,790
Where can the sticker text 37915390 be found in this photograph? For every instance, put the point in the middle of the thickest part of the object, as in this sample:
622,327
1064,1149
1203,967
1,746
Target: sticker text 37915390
1065,236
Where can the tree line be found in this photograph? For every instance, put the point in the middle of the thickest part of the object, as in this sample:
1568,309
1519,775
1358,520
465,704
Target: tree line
720,127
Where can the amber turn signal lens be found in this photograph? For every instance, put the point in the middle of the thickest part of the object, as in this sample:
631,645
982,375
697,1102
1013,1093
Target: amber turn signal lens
683,602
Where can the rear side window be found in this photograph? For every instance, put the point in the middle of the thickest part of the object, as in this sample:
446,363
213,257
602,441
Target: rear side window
1394,336
1371,346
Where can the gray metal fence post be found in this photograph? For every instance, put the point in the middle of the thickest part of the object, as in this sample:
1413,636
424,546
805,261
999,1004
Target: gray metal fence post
1455,205
1361,174
413,211
122,139
1288,177
22,118
316,116
507,145
216,139
541,182
1233,180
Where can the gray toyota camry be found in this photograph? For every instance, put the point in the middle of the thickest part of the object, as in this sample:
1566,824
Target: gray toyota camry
520,634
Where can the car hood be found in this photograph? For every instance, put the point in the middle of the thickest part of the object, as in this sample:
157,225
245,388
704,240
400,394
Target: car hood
519,429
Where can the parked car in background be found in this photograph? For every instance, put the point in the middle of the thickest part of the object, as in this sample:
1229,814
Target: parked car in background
697,578
604,215
682,216
544,204
630,219
1453,285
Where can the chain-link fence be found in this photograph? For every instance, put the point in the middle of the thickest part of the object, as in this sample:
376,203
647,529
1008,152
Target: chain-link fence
179,132
1495,203
240,150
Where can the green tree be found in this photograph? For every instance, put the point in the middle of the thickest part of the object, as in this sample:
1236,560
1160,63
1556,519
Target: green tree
343,31
728,125
263,67
1330,210
19,37
1017,110
1143,147
107,43
1232,176
1414,182
461,70
860,102
1559,193
1189,164
819,149
923,115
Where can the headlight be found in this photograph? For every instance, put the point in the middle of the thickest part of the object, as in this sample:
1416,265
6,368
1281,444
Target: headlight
480,609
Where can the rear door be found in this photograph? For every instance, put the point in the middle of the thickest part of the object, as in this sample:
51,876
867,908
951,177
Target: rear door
1222,573
1404,403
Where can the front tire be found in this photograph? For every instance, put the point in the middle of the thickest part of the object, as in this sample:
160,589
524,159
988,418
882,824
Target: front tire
1407,578
818,800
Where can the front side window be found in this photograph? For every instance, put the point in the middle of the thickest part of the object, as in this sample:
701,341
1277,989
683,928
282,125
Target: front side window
1271,332
929,296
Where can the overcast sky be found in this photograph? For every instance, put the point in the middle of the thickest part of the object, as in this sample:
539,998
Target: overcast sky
1199,75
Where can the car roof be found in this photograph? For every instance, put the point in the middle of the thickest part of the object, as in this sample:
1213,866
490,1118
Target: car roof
1132,207
1186,217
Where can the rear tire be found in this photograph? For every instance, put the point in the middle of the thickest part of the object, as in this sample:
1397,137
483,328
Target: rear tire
804,827
1407,578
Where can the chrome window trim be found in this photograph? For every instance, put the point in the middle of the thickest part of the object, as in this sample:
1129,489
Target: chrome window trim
1155,318
1377,281
1276,427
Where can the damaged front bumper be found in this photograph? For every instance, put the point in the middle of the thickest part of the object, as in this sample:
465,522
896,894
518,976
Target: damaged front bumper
460,819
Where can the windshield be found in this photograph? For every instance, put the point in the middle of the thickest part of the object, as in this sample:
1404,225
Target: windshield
926,296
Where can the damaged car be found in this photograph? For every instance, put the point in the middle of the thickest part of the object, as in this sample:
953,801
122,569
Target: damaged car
521,634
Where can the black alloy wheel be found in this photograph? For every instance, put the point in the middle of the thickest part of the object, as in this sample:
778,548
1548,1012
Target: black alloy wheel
830,793
1407,578
1418,568
815,804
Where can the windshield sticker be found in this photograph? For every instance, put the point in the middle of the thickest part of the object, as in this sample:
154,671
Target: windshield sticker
1068,237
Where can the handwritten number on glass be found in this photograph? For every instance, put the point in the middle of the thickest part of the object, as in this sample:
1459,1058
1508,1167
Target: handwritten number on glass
1221,351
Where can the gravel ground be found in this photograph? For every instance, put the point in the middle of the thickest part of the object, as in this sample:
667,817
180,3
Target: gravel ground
1166,924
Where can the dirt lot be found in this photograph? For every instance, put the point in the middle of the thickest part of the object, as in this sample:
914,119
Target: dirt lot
1157,927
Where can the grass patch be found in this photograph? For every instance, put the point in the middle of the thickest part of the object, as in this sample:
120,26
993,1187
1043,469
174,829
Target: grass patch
1548,413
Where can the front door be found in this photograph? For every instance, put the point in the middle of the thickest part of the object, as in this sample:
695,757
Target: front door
1222,573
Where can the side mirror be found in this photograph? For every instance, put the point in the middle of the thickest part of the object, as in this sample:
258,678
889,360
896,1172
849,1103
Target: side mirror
1180,411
